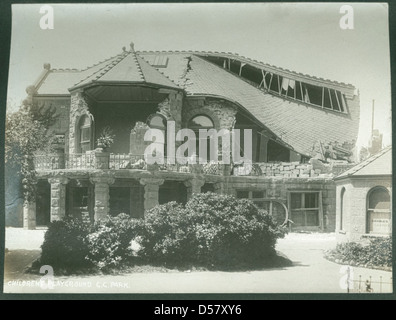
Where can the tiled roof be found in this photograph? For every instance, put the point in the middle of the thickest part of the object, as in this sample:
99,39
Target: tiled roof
261,65
377,165
298,125
126,67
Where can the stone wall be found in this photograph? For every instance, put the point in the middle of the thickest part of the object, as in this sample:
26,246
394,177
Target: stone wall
221,112
314,168
355,205
279,188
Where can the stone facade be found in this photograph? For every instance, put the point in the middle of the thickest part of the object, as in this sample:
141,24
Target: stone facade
276,181
280,188
78,107
194,186
354,211
58,197
222,113
101,183
151,188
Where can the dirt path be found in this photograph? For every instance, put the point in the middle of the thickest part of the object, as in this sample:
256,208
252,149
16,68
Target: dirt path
310,273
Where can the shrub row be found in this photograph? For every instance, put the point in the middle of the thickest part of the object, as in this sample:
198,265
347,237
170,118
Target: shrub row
210,230
377,253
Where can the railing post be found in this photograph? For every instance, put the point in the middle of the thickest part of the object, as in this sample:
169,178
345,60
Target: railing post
102,159
60,158
380,284
226,169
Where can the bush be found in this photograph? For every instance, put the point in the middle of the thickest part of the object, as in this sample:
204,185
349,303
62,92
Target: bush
377,253
72,244
64,245
109,243
212,230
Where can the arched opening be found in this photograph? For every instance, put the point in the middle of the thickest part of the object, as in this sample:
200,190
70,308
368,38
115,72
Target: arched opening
378,211
342,208
202,122
157,121
84,134
172,191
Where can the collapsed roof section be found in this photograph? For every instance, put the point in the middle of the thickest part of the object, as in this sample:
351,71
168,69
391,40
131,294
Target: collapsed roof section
298,109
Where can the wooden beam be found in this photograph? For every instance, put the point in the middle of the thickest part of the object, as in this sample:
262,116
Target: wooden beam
269,88
331,102
338,101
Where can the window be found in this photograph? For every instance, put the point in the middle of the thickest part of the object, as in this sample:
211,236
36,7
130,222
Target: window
258,197
201,122
304,207
85,134
160,61
320,96
378,211
274,207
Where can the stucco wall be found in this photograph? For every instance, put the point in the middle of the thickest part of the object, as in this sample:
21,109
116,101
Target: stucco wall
355,205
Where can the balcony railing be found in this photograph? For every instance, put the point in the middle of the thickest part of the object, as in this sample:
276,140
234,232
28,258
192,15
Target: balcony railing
65,161
92,160
104,160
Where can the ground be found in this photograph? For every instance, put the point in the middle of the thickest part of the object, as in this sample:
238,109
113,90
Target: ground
310,272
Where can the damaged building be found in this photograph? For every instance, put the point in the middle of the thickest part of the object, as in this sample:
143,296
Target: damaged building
303,133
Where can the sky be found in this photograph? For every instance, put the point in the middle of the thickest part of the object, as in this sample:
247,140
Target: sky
303,37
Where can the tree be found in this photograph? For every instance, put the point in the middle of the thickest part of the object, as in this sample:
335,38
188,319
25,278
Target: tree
26,132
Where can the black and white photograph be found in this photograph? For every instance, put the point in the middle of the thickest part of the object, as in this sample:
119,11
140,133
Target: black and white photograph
198,148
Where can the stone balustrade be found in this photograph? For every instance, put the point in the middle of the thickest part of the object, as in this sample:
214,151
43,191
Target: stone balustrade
99,159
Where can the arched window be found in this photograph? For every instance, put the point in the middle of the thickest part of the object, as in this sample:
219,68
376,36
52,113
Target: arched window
342,208
84,134
157,121
378,211
201,122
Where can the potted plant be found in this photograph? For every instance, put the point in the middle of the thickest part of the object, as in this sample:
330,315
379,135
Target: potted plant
106,138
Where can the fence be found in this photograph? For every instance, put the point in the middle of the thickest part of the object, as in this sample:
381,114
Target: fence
80,161
48,162
368,285
126,161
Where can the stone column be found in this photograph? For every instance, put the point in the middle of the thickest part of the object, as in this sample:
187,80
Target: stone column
58,197
151,189
29,215
219,188
194,186
102,196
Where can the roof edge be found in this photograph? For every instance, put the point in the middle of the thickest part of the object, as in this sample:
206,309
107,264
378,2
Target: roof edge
258,64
